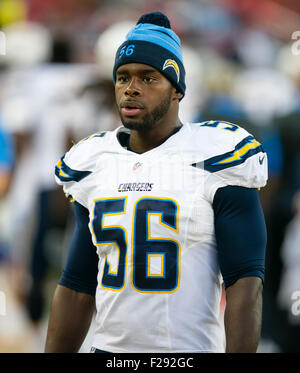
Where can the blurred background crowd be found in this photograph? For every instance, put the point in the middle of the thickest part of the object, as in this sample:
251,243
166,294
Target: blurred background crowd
242,63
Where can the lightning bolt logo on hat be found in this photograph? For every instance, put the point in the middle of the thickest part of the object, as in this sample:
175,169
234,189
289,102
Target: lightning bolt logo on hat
173,64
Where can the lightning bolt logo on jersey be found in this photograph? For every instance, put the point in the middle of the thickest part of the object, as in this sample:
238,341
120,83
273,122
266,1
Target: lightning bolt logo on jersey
154,232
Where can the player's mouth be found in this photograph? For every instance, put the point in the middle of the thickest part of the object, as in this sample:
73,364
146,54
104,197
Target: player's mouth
131,108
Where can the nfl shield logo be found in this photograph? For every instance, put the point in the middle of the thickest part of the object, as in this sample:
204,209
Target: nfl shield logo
137,167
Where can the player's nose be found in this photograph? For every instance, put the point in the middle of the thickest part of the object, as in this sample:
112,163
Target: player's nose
133,89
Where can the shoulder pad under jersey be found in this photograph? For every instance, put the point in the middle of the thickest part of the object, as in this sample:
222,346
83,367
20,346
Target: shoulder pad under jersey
78,163
232,155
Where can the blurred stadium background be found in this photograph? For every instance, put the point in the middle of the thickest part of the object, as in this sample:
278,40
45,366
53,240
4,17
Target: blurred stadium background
242,62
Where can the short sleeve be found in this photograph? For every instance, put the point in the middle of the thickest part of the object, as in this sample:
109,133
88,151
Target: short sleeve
70,170
243,163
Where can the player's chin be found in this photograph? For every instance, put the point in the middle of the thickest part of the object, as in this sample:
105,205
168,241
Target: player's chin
132,123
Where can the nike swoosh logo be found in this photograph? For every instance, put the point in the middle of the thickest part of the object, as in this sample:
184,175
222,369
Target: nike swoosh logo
261,159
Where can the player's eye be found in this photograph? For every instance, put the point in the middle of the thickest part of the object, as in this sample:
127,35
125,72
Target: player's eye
148,79
122,79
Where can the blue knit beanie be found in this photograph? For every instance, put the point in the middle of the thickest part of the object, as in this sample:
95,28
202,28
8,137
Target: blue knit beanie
152,42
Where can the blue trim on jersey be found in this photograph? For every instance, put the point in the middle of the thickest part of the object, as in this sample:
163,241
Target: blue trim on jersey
65,173
242,151
240,233
95,350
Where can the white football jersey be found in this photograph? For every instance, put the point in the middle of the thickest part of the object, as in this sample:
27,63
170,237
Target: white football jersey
152,223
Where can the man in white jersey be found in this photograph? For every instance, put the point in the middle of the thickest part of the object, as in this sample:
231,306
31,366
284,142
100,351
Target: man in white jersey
165,213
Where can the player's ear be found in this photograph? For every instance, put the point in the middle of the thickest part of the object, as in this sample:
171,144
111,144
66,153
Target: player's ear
177,94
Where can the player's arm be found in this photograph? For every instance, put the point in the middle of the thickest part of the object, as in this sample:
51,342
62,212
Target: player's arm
73,303
241,241
70,318
243,315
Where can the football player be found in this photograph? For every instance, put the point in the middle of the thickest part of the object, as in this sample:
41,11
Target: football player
166,213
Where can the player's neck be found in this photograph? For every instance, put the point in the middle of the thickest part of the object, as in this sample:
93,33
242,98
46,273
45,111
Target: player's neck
143,141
